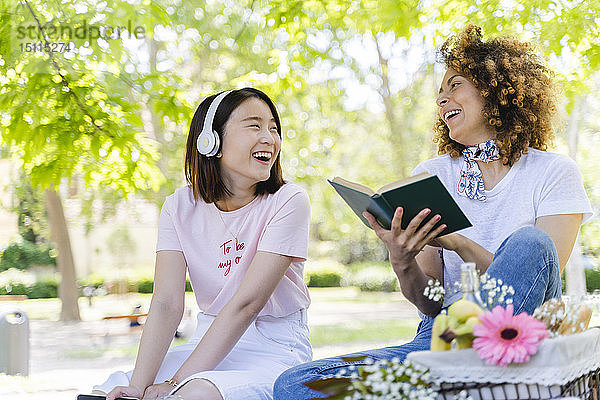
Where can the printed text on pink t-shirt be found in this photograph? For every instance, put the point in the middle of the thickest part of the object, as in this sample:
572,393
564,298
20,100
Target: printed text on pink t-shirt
226,247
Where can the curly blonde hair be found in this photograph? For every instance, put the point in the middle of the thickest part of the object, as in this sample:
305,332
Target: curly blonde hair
517,88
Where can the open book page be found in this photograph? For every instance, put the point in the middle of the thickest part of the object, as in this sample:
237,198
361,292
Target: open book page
356,186
412,194
403,182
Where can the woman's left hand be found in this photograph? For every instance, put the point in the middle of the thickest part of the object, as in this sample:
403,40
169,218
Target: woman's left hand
157,391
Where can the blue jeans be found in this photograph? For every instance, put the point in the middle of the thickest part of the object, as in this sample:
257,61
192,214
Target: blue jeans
526,260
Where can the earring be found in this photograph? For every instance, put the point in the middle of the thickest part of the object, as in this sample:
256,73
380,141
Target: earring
219,155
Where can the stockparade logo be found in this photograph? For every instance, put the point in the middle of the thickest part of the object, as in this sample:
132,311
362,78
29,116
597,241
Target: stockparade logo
25,33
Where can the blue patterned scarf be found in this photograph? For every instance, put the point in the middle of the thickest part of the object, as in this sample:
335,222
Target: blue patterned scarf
470,184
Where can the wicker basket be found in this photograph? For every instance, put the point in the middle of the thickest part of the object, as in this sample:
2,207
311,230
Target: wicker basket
566,366
585,387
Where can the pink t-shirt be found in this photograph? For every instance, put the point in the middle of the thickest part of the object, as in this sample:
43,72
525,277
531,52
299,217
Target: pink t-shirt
217,262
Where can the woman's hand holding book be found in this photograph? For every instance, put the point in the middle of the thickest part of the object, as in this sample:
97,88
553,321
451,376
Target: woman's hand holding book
404,245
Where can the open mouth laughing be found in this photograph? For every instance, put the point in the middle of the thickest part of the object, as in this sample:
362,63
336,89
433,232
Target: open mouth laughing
448,115
263,156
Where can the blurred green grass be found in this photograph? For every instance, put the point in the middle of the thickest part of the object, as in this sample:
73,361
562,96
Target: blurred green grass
353,294
363,331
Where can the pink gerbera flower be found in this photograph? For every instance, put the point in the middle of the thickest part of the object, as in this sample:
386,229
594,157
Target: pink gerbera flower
502,338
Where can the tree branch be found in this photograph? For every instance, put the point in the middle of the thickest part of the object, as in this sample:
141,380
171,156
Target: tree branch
64,80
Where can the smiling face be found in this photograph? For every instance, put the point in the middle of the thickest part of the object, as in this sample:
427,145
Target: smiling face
251,144
461,109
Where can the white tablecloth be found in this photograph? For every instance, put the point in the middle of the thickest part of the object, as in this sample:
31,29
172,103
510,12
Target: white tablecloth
558,361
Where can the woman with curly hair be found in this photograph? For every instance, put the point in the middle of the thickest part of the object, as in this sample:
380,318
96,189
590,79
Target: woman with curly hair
496,108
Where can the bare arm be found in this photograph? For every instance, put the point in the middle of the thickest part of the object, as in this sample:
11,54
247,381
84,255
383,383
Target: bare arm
258,284
467,249
563,230
431,264
166,310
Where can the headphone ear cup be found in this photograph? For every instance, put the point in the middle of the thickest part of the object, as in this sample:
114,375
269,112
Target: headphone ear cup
217,144
208,143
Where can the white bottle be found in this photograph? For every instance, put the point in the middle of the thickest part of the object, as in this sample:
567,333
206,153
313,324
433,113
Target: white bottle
469,283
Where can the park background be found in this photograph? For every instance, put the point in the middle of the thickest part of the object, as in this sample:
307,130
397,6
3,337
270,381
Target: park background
92,139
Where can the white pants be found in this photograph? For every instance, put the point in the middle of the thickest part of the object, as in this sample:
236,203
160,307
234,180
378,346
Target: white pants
269,346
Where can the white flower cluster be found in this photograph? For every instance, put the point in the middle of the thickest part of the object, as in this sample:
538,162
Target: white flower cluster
493,292
391,380
434,291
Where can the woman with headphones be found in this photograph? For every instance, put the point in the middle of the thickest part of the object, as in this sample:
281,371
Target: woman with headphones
241,233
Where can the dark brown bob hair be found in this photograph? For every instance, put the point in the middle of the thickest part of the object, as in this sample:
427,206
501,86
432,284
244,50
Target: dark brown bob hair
518,91
203,173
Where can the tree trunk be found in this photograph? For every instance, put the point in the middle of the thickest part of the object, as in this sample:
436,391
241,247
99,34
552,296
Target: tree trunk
67,289
396,134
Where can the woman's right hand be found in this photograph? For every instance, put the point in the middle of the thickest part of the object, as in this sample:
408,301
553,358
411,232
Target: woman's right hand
124,391
404,245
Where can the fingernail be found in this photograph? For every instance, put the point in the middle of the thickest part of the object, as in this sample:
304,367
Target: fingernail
437,218
426,211
443,227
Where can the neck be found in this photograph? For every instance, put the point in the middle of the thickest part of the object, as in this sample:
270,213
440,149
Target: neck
492,166
492,172
234,202
242,193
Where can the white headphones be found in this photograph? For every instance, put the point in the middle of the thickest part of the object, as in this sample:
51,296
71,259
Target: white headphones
208,141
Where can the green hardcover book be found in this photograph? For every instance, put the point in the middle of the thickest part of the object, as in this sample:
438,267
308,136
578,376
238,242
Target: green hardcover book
412,194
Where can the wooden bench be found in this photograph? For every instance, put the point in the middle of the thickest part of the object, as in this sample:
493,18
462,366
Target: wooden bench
13,297
130,317
134,323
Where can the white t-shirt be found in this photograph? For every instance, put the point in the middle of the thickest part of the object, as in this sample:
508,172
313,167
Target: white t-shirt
275,223
538,184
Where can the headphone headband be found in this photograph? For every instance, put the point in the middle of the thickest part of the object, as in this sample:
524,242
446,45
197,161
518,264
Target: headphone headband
208,141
